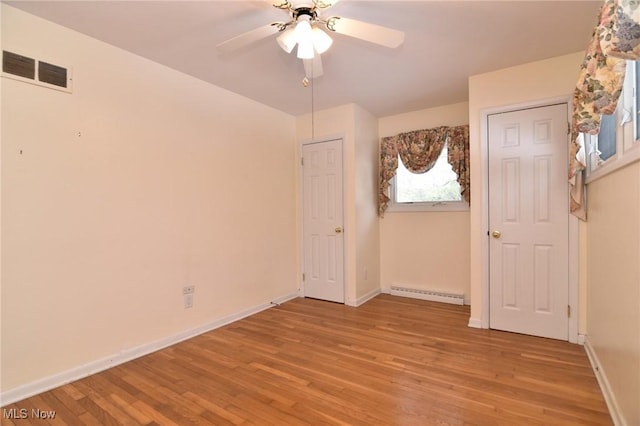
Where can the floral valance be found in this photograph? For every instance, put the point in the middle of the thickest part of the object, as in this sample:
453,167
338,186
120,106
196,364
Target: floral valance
419,151
615,39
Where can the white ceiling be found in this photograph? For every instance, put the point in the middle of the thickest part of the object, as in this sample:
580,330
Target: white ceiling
446,42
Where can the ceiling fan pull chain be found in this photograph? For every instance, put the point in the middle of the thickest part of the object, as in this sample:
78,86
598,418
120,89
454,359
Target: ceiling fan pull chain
313,124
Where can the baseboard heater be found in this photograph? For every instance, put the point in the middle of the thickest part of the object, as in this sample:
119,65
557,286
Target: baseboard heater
434,296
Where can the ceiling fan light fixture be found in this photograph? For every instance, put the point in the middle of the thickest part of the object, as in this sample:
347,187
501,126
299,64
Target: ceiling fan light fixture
303,30
287,40
321,40
304,37
305,49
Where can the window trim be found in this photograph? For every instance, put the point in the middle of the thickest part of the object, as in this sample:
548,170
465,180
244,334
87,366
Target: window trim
438,206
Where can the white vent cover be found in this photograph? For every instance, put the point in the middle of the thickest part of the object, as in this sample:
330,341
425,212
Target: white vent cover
30,70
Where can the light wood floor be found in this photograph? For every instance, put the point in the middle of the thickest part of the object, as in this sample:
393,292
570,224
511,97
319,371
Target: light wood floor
392,361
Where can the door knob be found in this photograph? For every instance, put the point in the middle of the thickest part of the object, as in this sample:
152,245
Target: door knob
496,234
338,230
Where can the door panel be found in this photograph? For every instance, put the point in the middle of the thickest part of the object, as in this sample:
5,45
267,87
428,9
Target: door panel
323,241
529,221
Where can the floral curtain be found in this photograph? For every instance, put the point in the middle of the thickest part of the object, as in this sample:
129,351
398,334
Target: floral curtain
621,32
388,167
419,151
615,39
459,158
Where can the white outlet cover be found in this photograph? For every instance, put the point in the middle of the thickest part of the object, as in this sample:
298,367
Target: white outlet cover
188,301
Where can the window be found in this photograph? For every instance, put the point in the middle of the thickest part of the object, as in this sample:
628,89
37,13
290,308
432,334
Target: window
435,190
618,142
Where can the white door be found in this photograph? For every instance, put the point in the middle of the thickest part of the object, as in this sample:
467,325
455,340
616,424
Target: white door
323,237
529,222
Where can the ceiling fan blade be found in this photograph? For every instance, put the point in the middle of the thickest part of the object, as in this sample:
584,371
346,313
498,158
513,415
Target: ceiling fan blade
368,32
313,67
247,38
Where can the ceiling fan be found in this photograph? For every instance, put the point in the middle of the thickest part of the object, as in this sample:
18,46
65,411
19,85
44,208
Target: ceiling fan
304,30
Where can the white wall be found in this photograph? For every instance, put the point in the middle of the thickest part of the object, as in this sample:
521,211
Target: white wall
425,250
535,81
142,181
366,203
613,262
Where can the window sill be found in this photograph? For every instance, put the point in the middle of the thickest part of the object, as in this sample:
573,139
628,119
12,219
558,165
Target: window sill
612,165
450,206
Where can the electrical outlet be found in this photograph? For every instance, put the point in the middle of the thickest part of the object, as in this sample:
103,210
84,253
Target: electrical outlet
187,292
188,301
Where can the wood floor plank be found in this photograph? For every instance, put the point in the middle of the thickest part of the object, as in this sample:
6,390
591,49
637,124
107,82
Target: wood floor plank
392,361
66,403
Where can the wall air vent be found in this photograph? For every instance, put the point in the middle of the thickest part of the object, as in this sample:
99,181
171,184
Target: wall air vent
52,74
29,70
18,65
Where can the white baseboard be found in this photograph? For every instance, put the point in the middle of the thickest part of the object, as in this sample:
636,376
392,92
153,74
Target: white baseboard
609,397
275,301
42,385
363,299
475,323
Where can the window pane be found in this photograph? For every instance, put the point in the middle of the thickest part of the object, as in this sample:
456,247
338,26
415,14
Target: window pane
438,184
607,137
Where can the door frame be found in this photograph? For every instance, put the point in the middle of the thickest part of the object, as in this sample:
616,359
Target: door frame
300,216
484,201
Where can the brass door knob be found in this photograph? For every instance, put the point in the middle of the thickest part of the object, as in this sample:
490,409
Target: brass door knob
496,234
338,230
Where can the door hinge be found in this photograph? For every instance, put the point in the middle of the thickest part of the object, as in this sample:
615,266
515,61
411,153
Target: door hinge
568,128
568,311
303,276
302,161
